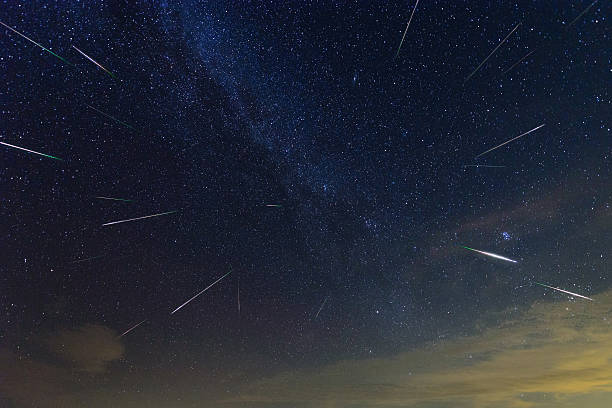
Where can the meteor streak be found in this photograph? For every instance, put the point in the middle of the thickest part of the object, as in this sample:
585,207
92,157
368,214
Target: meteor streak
132,328
115,199
514,138
490,254
564,291
583,13
273,205
110,117
88,259
92,60
406,30
321,308
492,52
139,218
519,61
482,165
30,151
37,44
199,293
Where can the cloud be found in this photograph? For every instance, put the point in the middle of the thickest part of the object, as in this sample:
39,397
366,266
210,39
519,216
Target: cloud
544,208
35,380
88,348
30,383
552,355
578,205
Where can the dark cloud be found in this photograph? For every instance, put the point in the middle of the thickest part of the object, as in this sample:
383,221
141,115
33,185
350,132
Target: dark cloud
88,348
36,379
25,382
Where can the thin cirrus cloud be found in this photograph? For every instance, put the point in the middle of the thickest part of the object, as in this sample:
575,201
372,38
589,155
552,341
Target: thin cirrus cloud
554,355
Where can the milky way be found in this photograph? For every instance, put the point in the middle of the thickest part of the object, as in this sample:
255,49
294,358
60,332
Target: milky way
336,181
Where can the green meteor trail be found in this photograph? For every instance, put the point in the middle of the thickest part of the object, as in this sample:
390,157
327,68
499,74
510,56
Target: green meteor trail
31,151
110,117
490,254
37,44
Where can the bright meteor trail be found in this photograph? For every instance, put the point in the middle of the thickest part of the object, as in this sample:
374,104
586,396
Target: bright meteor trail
37,44
138,218
30,151
199,293
492,52
92,60
132,328
490,254
564,291
406,30
514,138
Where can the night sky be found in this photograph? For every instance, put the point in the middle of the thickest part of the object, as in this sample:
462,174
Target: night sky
329,177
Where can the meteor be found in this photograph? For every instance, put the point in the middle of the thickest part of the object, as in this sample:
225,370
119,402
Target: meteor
482,165
564,291
514,138
583,13
37,44
88,259
115,199
519,61
111,117
321,308
132,328
489,56
199,293
30,151
406,30
138,218
92,60
274,205
490,254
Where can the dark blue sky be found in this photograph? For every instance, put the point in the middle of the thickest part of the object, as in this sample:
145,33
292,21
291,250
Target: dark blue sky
233,106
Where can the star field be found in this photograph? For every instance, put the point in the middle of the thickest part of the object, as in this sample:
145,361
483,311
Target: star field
333,180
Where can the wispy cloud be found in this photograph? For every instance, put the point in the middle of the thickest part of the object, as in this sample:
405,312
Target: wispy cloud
550,356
